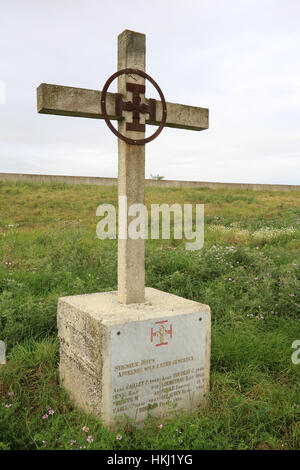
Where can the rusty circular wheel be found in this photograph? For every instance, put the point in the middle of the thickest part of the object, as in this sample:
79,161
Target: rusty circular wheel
104,111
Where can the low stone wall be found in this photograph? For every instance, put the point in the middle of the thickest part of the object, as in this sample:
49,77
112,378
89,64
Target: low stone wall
58,178
101,181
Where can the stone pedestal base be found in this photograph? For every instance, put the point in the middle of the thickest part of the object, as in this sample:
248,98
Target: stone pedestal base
134,359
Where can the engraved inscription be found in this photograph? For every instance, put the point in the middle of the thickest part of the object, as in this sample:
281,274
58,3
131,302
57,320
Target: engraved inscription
146,378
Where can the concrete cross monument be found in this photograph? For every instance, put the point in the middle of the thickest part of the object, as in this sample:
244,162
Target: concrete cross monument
138,350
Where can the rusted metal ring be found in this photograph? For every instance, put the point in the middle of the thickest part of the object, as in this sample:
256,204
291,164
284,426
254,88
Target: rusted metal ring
104,111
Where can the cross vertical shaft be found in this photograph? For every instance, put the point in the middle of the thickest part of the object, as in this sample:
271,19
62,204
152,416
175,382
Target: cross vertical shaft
131,174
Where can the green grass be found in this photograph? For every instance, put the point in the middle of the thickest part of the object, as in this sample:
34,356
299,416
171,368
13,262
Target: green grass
248,272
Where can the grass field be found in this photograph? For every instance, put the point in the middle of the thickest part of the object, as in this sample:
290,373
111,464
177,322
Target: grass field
248,272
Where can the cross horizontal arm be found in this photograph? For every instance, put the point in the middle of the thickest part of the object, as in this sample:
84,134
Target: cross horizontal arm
80,102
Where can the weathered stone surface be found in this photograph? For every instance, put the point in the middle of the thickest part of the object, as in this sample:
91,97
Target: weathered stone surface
131,174
70,101
119,359
80,102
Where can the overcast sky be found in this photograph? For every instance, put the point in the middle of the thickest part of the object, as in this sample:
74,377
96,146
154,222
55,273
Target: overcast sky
239,58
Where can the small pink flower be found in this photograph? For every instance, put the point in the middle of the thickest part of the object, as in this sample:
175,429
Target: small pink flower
85,429
90,439
10,394
160,426
73,442
119,437
45,416
8,405
51,412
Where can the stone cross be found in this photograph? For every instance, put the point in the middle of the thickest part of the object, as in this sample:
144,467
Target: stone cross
131,116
